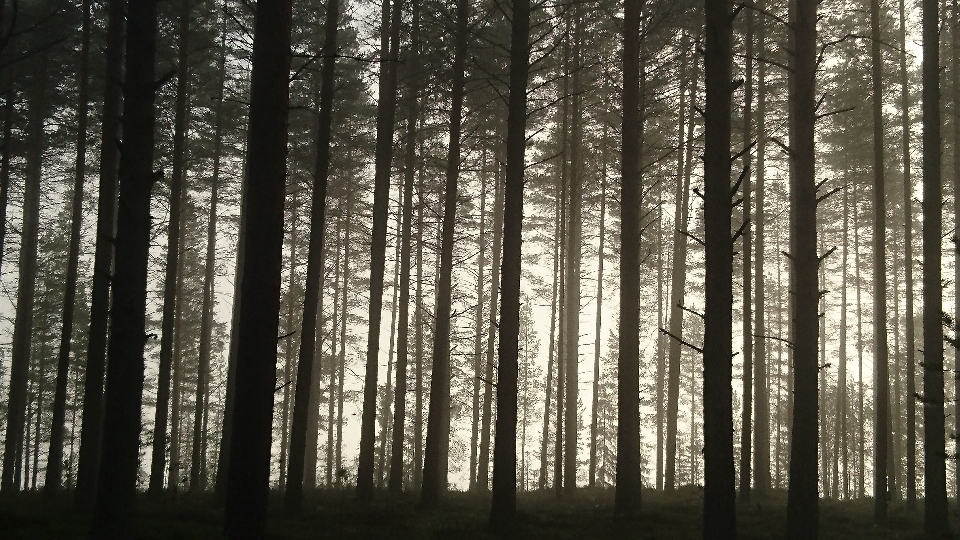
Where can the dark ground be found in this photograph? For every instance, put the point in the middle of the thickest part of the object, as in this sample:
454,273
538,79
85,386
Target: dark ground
333,514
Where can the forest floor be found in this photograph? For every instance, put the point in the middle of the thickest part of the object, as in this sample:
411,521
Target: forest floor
334,514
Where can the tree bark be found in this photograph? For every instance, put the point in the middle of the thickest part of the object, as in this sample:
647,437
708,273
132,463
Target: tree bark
554,297
438,415
628,496
249,466
117,484
386,112
293,497
503,506
53,480
158,459
596,331
748,367
802,492
935,520
478,329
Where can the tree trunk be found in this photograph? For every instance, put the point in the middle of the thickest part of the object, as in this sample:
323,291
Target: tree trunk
386,112
18,397
197,480
342,360
438,415
92,418
597,327
627,497
802,492
936,524
881,389
719,495
548,391
748,367
677,286
955,97
478,329
55,457
117,484
395,482
910,344
158,459
503,506
861,418
386,419
249,467
293,497
418,345
498,229
761,383
176,383
288,380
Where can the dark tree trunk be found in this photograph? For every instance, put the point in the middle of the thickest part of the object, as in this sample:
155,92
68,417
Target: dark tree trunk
418,343
117,484
545,440
55,456
249,466
386,112
18,397
335,320
176,384
746,424
881,390
503,506
910,345
936,523
342,359
198,481
498,229
719,495
761,383
955,98
802,493
158,460
293,497
478,329
596,331
840,428
627,497
92,418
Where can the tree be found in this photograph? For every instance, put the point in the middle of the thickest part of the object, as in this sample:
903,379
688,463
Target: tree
802,492
117,484
627,497
386,112
503,507
293,496
259,317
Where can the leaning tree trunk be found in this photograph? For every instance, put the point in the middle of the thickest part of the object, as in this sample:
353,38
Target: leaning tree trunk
627,497
55,456
92,417
438,414
936,523
802,492
293,496
386,112
249,466
117,484
719,495
881,390
26,281
503,507
158,460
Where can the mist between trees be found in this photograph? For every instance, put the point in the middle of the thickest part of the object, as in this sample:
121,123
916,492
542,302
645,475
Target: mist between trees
394,251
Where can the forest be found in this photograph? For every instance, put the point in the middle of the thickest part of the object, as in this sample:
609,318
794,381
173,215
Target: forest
479,268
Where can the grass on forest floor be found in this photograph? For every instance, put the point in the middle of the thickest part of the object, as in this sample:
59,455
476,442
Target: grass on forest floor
334,514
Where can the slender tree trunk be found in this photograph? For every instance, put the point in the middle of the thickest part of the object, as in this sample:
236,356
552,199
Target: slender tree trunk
176,383
881,389
746,424
92,418
158,459
840,428
802,492
117,484
936,524
55,456
395,482
677,286
342,360
288,380
955,98
418,345
293,497
438,419
628,496
861,419
504,501
18,398
386,418
478,329
249,467
548,391
560,347
596,331
761,383
498,230
386,112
